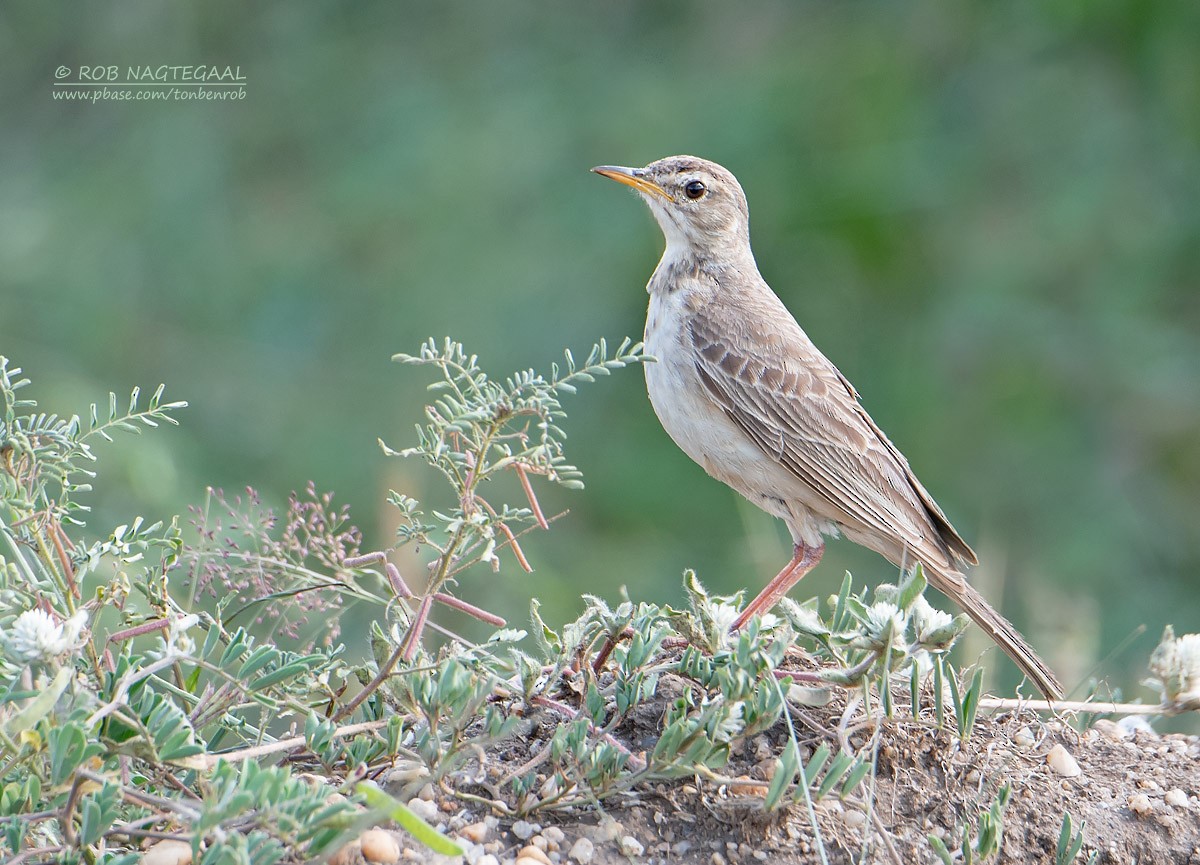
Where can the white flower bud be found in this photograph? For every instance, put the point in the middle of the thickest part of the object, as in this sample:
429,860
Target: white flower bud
35,637
1176,668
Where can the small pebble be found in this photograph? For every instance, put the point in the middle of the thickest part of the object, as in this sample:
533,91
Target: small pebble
535,854
681,847
746,788
476,833
168,852
1132,724
424,809
1176,798
487,859
1140,804
717,859
427,793
607,830
1061,761
379,846
1023,738
524,830
854,819
631,847
582,851
1109,729
405,774
348,855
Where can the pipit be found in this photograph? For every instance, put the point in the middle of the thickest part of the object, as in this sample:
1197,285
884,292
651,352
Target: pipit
744,392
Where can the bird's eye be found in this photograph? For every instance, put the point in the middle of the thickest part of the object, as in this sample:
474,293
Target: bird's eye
694,189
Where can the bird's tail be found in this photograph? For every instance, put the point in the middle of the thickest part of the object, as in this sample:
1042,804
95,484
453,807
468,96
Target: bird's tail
1007,637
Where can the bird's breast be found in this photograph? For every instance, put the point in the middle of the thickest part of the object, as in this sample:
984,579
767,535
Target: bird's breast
700,428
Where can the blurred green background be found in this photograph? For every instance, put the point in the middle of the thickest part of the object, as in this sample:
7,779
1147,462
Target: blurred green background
988,215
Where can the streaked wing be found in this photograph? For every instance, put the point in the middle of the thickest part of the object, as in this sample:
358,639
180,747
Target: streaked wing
795,405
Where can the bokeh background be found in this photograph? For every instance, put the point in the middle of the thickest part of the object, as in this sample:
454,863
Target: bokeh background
988,215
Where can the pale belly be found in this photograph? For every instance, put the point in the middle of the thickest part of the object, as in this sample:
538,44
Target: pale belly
705,433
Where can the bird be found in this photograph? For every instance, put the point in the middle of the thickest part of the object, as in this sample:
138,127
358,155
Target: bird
742,390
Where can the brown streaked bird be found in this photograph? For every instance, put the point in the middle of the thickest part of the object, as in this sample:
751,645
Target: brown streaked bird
744,392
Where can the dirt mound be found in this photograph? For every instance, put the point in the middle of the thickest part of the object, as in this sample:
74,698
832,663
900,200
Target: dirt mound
1135,794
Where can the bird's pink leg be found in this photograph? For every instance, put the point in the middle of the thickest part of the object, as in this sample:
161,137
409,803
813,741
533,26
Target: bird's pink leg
804,559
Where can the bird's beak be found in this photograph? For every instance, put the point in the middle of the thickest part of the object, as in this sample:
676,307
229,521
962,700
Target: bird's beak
634,177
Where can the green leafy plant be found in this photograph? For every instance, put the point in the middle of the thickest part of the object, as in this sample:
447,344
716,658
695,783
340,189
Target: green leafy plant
1070,843
476,429
150,678
988,837
133,699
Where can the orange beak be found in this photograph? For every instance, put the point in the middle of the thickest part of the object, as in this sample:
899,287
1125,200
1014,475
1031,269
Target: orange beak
632,177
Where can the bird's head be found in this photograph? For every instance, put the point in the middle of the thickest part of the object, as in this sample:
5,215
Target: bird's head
698,204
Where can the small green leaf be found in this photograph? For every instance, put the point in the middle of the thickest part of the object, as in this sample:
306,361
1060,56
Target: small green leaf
287,671
837,769
259,658
855,776
817,762
41,705
939,847
912,588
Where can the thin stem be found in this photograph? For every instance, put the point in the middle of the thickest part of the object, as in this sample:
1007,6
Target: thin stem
57,537
1098,707
64,590
139,630
533,502
804,779
30,855
254,752
470,609
34,817
127,681
413,638
133,794
635,761
370,687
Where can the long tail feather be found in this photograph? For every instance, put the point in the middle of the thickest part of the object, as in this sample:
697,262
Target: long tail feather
1007,637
